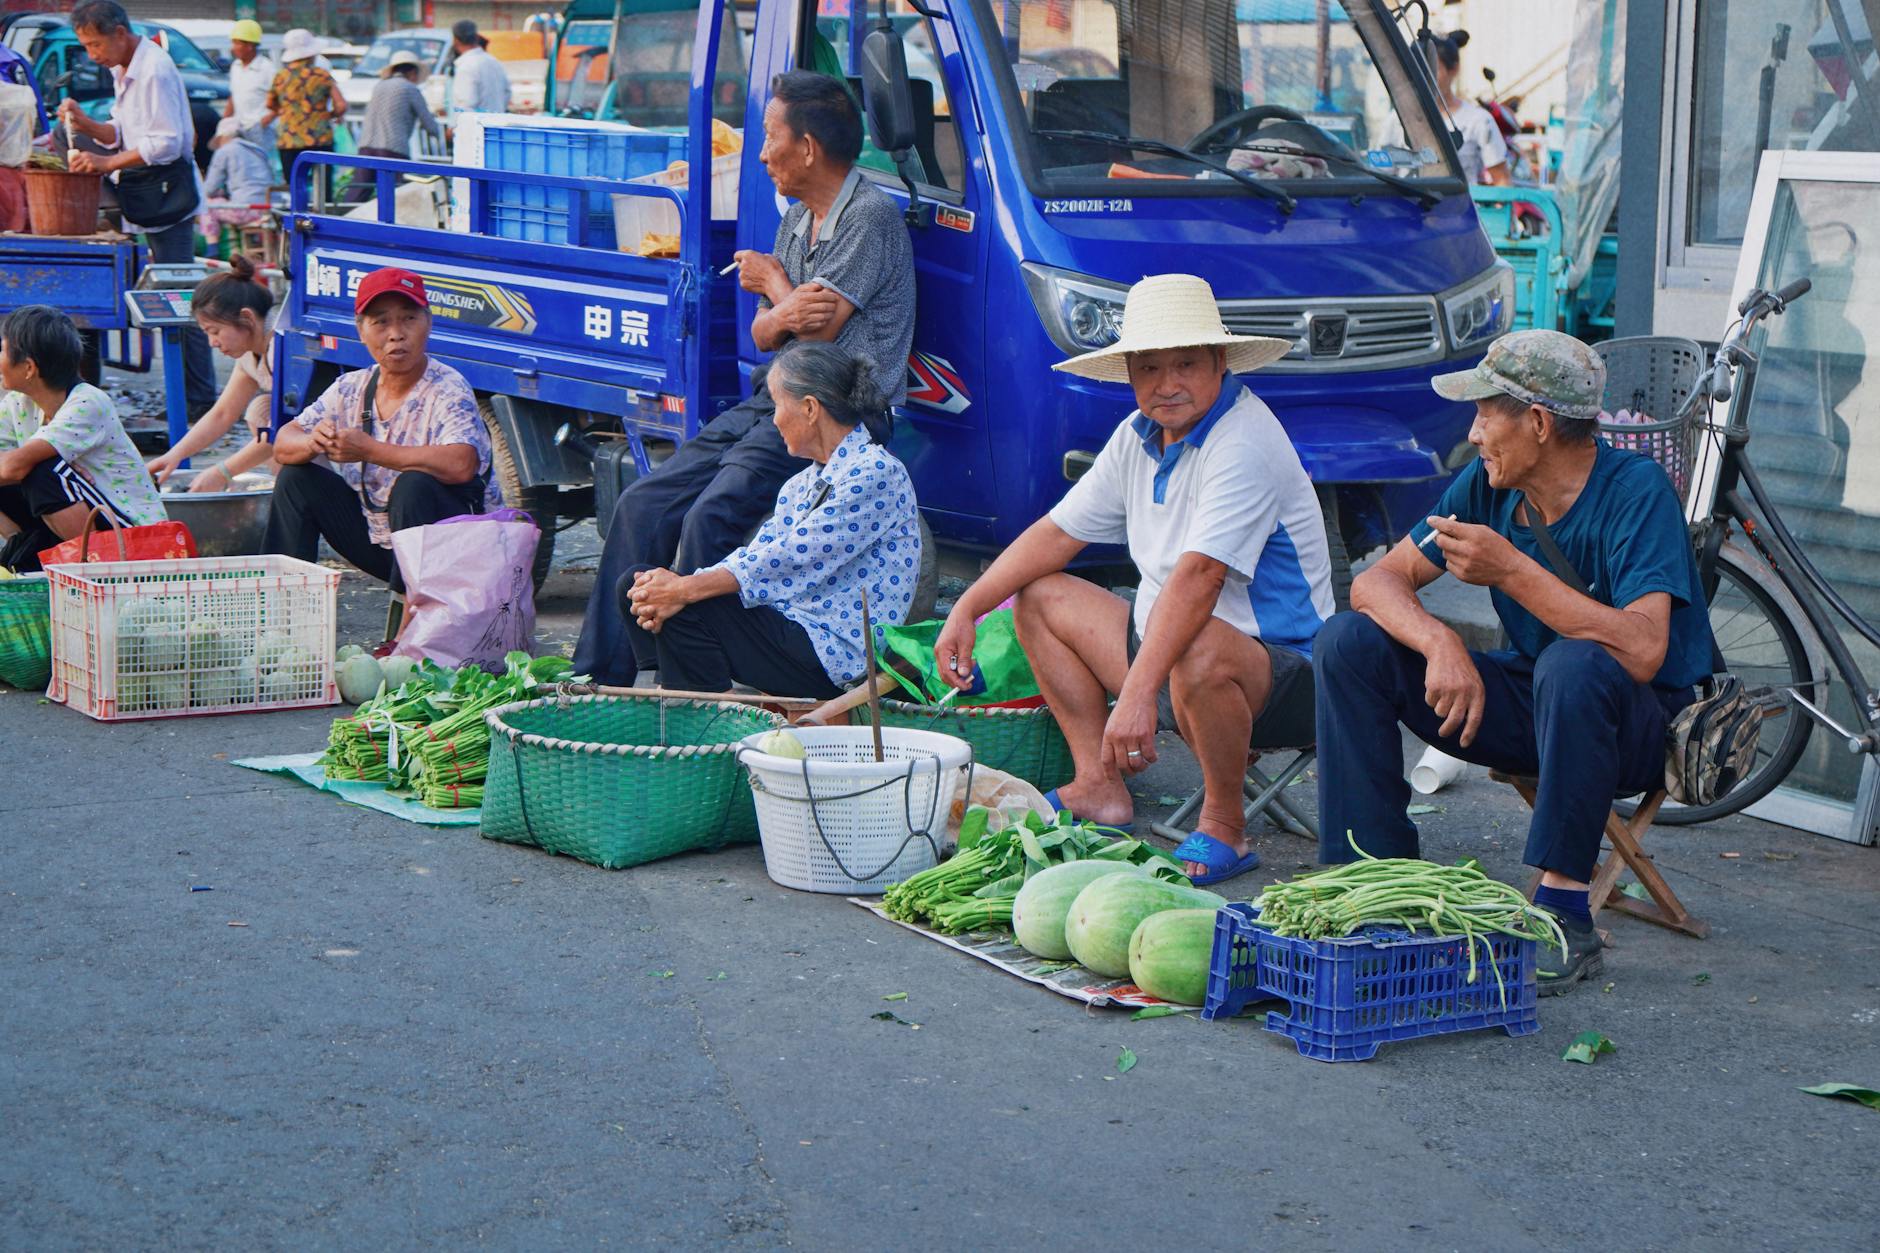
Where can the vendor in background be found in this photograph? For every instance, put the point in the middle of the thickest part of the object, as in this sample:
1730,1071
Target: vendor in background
63,451
232,310
303,103
396,109
783,614
1484,152
479,83
239,182
396,446
250,77
154,135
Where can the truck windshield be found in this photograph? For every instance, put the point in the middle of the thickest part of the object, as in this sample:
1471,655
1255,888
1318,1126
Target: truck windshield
1298,90
648,80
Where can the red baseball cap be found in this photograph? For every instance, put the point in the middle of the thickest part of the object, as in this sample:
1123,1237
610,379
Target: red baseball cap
398,282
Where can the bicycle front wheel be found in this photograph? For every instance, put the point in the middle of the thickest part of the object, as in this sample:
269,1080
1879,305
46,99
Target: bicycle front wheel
1762,648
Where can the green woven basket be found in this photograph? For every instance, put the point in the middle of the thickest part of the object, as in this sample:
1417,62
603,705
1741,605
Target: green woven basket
1022,742
620,780
25,632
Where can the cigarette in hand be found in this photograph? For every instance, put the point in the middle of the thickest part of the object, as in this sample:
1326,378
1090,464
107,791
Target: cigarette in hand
734,265
1424,542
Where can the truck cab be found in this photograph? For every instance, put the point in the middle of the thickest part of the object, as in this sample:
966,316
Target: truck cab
1049,153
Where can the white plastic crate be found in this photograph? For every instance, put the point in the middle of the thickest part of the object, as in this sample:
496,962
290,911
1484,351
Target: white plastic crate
841,821
636,217
156,639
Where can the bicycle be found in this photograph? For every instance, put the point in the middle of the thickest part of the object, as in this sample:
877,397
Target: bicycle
1756,631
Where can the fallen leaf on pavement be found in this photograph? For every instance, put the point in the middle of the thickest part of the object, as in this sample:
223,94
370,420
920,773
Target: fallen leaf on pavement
890,1016
1847,1092
1156,1011
1416,810
1636,891
1586,1046
1125,1061
1698,981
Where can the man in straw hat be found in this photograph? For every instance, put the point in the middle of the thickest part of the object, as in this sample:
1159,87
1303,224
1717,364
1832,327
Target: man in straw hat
1203,486
1582,698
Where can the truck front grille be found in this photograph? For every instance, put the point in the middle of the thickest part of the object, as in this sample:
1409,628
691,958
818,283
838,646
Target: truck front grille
1377,333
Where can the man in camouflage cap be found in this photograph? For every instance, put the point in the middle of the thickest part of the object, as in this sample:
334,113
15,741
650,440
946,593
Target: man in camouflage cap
1609,632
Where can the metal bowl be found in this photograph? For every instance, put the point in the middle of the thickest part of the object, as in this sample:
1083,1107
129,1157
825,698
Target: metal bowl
225,524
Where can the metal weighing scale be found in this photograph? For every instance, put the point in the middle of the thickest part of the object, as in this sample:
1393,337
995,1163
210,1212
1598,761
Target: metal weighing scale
159,301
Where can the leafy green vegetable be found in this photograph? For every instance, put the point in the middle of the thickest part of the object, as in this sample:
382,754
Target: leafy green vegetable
1157,1011
1586,1046
895,996
1125,1060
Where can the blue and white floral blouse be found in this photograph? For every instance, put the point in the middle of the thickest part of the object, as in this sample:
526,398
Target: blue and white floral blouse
837,529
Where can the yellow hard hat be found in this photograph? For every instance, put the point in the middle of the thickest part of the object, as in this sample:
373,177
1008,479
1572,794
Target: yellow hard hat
247,30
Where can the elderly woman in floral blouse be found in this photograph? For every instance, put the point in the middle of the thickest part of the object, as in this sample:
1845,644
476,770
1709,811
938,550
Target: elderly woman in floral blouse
396,446
783,614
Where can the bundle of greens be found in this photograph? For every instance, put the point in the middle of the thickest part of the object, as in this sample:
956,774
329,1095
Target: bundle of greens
1408,894
437,716
974,889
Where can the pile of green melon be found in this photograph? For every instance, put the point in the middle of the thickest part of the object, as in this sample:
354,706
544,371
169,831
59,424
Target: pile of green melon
1121,920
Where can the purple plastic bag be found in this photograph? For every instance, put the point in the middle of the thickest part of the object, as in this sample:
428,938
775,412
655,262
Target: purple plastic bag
469,596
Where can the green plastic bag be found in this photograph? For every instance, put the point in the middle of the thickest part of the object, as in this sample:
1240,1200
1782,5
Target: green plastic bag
996,652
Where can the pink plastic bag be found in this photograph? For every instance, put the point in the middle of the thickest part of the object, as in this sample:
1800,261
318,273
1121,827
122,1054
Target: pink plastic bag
469,596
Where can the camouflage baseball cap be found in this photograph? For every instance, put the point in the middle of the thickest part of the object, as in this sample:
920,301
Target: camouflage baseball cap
1544,368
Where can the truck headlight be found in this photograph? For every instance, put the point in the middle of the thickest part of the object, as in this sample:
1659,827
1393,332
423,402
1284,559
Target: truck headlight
1079,314
1480,309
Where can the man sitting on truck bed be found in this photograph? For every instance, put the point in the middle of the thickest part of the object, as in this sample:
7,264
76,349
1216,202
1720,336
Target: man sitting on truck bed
843,271
1203,485
396,446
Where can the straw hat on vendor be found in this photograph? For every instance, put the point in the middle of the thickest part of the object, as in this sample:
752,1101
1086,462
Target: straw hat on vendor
403,59
1167,311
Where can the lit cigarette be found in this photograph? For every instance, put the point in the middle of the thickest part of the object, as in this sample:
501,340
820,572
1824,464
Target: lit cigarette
728,269
1424,542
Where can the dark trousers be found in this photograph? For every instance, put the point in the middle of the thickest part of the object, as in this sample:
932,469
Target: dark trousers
365,183
312,503
322,179
177,245
689,513
1573,718
48,487
708,646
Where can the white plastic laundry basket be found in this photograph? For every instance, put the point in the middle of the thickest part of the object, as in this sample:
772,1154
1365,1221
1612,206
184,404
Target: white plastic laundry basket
839,821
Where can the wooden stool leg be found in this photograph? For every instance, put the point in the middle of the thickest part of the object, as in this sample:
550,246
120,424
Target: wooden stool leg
1664,908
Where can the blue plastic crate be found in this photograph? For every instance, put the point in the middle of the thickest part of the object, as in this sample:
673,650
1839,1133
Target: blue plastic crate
545,214
1345,997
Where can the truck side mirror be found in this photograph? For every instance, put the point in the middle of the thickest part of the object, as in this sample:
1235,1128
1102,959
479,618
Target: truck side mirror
888,101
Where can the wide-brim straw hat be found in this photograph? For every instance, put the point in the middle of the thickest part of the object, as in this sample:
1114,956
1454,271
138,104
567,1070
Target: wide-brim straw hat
400,59
1174,311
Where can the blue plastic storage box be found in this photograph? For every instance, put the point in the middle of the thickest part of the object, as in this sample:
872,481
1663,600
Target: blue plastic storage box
1345,997
545,214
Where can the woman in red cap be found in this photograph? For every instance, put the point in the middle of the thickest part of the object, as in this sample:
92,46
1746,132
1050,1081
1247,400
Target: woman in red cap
396,446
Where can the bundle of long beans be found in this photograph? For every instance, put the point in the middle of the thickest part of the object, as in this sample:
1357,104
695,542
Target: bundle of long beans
451,757
358,747
1410,894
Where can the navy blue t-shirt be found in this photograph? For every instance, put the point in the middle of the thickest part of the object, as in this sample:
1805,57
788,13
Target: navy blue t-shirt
1626,538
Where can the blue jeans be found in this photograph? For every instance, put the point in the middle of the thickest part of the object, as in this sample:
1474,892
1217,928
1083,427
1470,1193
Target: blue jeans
177,245
1572,718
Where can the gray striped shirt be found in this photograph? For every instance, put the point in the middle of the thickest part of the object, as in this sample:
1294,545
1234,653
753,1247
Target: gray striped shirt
395,108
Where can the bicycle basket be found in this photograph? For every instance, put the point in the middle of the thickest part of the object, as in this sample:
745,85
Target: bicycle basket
1650,377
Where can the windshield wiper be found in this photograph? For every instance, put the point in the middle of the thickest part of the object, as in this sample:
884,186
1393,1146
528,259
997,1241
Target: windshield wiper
1264,190
1426,197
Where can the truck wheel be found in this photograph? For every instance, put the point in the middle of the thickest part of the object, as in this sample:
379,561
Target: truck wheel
538,501
1339,556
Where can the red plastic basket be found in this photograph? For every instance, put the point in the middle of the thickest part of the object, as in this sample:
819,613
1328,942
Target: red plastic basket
158,639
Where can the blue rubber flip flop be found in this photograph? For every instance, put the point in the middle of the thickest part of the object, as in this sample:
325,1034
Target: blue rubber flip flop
1218,856
1055,805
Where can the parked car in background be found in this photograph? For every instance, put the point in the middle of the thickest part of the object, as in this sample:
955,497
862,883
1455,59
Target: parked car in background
63,68
210,35
342,58
431,47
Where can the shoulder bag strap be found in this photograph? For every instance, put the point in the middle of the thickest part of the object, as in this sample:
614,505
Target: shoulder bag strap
366,420
1555,558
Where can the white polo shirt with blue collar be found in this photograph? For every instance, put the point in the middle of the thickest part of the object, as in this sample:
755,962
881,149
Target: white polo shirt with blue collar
1232,489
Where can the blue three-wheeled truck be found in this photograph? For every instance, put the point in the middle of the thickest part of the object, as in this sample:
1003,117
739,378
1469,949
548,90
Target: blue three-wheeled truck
1050,153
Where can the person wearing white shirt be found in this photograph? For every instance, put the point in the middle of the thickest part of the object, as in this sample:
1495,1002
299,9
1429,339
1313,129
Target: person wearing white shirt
480,83
151,130
249,76
1483,151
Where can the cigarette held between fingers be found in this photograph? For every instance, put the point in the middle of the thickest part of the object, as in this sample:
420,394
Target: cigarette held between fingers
734,265
1424,542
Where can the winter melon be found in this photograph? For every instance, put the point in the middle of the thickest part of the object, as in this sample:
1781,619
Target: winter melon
1105,916
1170,952
1045,901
